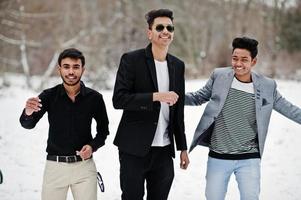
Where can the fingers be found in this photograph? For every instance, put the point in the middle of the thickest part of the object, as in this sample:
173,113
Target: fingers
184,160
85,152
184,165
81,154
32,105
170,98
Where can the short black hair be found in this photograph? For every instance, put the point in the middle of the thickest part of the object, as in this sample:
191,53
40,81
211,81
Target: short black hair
246,43
71,53
153,14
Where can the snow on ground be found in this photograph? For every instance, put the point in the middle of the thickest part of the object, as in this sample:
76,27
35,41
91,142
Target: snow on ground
23,153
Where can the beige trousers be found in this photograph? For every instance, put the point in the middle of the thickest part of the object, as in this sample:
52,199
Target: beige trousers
81,177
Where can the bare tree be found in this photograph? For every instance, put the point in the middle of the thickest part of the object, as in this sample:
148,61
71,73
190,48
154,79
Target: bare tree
33,32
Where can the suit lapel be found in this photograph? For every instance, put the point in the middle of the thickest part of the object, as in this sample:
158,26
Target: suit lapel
171,73
257,91
226,84
151,65
256,83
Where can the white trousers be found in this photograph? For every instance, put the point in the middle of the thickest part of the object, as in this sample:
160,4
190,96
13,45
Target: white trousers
80,176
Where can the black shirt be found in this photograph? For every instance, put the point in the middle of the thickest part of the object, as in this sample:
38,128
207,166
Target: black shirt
70,122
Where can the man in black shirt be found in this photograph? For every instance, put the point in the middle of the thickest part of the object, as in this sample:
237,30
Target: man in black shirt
71,106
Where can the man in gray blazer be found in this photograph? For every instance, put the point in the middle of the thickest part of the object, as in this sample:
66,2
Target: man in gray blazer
235,121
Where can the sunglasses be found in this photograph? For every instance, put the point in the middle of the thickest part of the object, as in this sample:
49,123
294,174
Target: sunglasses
100,182
169,28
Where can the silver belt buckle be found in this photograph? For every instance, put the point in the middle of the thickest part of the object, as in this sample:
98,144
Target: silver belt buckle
75,158
68,159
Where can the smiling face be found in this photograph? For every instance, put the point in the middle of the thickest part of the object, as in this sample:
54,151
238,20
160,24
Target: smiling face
242,64
71,71
161,38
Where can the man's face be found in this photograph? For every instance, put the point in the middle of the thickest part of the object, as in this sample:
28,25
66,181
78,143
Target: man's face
242,64
71,71
158,36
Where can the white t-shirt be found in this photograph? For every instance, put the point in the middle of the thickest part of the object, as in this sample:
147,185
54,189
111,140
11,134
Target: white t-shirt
246,87
161,136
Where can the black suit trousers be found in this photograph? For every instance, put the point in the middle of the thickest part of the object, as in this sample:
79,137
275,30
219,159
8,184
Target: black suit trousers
156,169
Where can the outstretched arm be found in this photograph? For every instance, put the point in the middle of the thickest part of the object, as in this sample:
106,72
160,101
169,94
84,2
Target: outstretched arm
286,108
202,95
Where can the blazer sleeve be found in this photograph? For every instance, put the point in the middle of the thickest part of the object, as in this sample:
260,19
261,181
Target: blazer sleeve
202,95
124,95
285,107
179,130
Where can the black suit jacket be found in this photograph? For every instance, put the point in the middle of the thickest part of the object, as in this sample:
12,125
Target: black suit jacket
135,84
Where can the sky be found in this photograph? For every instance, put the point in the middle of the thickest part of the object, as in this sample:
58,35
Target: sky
23,153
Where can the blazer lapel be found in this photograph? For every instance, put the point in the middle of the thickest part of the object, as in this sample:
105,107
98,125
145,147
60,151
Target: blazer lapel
257,91
256,83
151,65
171,73
225,87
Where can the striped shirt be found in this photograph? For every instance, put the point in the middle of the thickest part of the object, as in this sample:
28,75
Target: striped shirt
235,129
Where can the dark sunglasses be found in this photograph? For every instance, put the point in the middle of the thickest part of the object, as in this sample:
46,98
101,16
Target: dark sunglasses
100,182
160,28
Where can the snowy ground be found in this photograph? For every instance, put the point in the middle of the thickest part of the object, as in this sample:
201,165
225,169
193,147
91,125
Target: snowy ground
23,153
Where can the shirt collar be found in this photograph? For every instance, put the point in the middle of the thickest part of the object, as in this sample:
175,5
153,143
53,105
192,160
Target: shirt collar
83,89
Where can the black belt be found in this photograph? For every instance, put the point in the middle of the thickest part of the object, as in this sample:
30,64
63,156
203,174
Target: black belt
66,159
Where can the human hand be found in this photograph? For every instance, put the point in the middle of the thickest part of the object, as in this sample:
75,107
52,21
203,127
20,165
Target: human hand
184,160
32,105
167,97
86,152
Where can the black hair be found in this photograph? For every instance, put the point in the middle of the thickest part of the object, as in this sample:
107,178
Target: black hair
153,14
246,43
71,53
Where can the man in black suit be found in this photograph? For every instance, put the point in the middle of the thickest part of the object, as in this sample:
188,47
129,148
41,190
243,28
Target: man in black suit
150,88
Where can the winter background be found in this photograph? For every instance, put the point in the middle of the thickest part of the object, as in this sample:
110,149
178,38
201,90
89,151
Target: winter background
23,152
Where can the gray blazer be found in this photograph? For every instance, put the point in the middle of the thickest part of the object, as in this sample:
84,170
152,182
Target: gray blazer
215,93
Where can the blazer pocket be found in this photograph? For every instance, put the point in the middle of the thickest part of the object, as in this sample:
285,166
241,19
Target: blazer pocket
264,102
